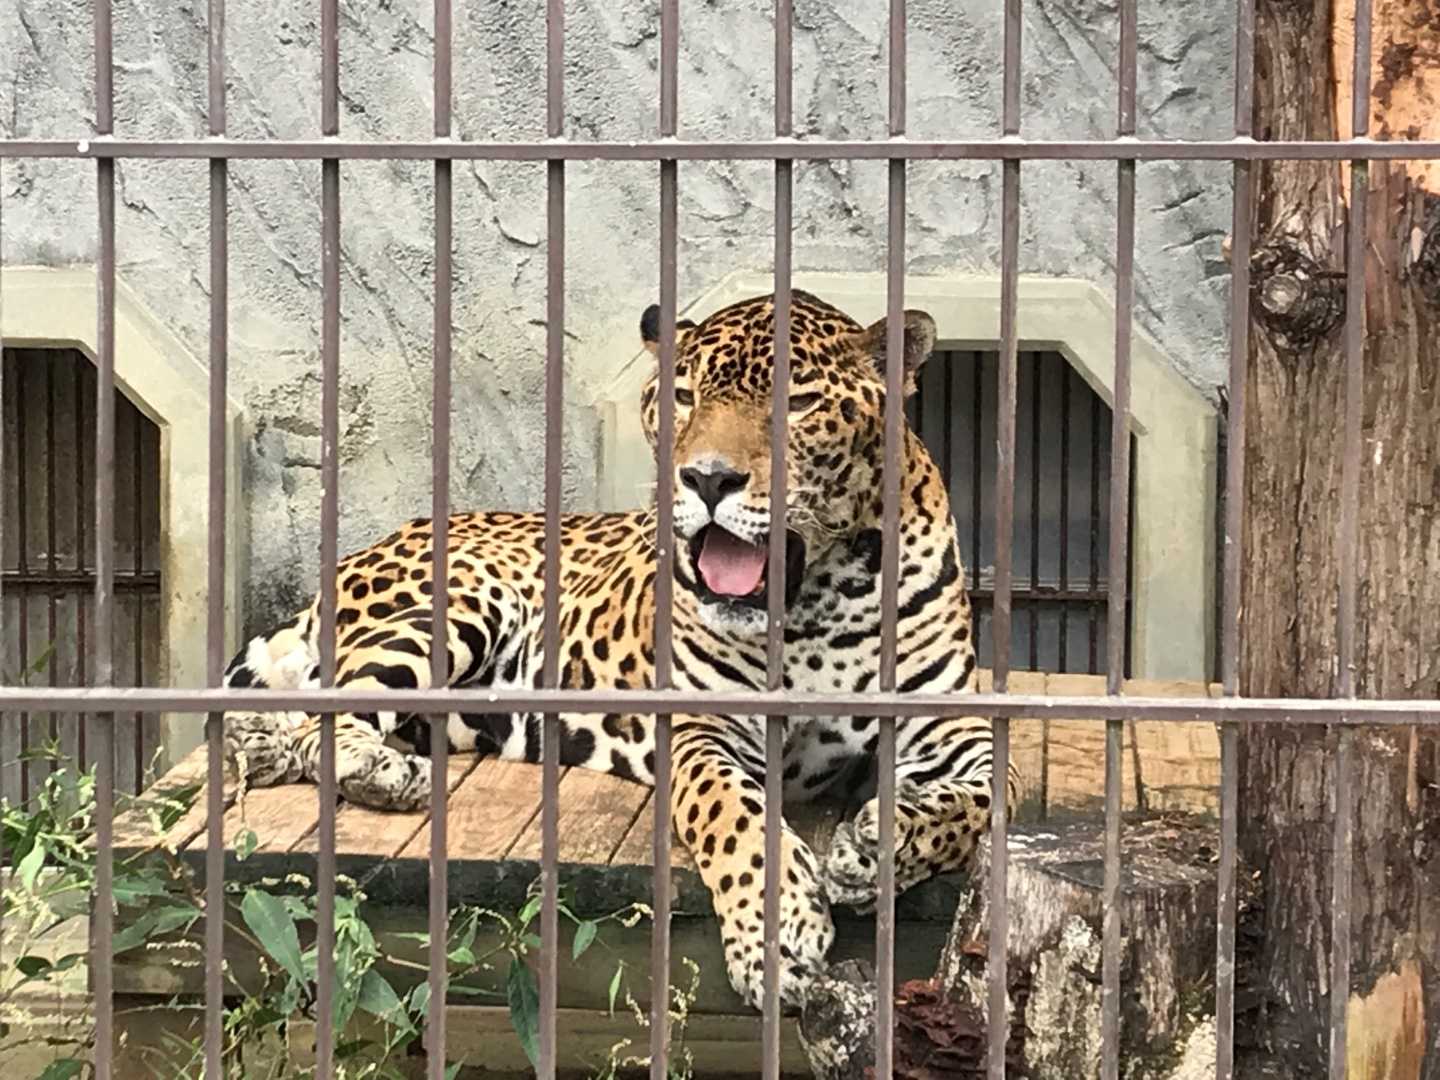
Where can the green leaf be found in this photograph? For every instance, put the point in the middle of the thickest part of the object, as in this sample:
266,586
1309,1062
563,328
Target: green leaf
130,889
463,956
269,921
584,935
615,986
452,1071
529,911
62,1069
378,997
524,998
245,845
29,868
32,967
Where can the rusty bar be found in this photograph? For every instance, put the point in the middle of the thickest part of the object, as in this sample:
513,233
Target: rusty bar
894,437
22,510
1116,622
1094,620
440,391
664,545
1349,545
1032,608
1240,232
1010,148
215,610
554,464
1358,713
998,1003
103,916
977,496
1063,366
329,532
775,594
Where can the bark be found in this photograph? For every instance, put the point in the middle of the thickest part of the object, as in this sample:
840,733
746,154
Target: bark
1294,436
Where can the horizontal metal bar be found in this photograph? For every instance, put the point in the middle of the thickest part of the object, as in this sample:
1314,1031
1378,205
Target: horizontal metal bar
780,703
79,580
776,149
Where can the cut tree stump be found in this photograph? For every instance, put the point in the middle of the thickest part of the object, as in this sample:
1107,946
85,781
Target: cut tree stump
1054,890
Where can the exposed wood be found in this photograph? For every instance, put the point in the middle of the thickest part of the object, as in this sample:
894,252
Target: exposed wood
596,812
489,811
362,831
1294,433
1054,899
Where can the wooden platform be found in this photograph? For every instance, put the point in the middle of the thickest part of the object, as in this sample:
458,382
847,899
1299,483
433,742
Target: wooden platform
605,837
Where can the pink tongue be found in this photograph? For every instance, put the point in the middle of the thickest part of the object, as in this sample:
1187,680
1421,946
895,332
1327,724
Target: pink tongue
729,565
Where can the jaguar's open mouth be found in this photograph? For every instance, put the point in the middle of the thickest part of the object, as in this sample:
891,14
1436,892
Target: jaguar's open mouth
734,571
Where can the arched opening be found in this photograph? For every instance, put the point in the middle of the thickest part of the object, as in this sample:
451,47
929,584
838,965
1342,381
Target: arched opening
47,572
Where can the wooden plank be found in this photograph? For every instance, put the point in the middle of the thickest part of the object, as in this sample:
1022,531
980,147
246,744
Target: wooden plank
359,830
134,827
279,816
483,1037
638,846
192,823
488,811
596,812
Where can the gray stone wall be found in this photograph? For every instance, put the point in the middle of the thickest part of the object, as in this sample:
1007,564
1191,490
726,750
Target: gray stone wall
612,266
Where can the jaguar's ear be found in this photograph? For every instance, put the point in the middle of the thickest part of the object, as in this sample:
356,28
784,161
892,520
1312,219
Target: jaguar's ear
650,329
919,340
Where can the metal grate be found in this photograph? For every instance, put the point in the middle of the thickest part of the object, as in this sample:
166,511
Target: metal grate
1009,147
1062,523
47,581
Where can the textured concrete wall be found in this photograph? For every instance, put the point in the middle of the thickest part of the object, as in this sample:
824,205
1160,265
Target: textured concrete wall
725,209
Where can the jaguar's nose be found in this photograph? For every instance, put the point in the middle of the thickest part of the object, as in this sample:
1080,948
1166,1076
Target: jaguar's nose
713,486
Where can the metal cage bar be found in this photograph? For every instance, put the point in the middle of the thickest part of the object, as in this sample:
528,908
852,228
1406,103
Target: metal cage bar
215,626
103,670
1116,623
775,630
1349,544
664,543
440,403
662,149
998,995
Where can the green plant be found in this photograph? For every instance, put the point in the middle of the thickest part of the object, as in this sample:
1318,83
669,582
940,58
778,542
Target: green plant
48,840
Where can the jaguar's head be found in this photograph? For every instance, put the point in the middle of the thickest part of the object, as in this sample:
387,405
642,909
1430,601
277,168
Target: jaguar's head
724,369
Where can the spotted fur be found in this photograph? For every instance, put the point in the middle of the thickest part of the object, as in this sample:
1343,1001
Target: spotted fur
832,634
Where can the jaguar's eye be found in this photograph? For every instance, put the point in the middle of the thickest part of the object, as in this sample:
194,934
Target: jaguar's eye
684,396
803,402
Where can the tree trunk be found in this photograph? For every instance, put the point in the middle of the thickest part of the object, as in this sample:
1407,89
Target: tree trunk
1294,436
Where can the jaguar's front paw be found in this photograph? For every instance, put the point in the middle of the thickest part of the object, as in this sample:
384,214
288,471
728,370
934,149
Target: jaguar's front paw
383,778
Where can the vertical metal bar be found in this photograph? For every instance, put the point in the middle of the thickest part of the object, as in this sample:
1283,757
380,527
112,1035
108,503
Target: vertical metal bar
895,380
977,496
1033,363
1349,543
1116,623
779,502
51,532
664,545
215,525
22,511
1234,522
329,531
554,432
440,391
999,997
104,673
1063,366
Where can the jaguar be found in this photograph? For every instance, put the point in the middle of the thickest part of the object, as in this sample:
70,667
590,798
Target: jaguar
832,522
